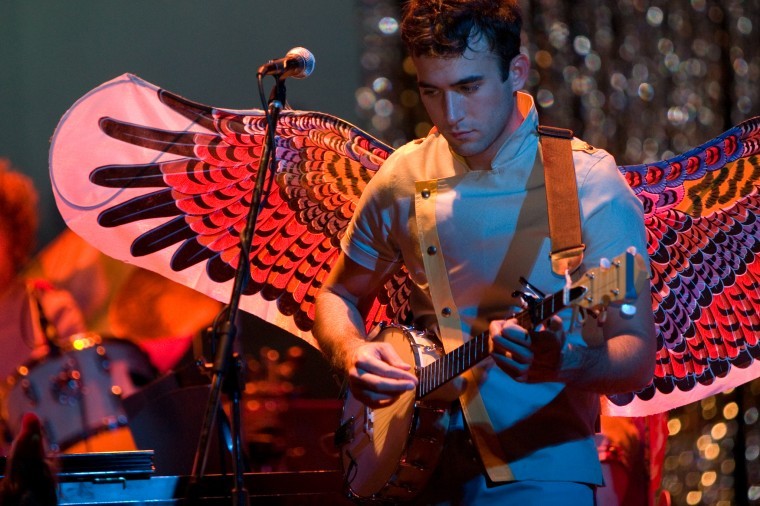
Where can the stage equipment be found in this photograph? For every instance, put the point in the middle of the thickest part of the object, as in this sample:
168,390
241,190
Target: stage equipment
130,478
298,64
77,393
228,366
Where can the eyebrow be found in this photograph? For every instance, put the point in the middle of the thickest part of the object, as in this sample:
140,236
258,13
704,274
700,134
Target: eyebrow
463,81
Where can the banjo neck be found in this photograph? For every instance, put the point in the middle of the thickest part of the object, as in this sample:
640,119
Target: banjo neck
452,364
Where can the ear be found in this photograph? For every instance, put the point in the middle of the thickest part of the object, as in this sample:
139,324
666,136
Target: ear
519,68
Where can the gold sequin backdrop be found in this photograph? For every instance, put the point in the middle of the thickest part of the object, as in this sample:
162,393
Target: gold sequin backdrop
642,79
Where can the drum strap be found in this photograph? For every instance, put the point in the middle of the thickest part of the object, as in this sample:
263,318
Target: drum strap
449,323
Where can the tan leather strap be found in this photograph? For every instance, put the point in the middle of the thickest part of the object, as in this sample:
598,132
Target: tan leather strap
450,328
561,199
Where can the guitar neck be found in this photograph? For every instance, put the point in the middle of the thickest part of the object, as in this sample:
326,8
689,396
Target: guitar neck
452,364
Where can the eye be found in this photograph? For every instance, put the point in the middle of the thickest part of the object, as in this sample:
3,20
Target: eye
470,88
428,92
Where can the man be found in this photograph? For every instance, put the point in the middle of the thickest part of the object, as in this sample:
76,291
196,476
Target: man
481,170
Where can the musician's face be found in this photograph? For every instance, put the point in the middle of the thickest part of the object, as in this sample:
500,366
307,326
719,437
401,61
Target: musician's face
469,102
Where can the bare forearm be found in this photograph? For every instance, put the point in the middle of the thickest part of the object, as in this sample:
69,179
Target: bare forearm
375,372
623,359
624,363
338,328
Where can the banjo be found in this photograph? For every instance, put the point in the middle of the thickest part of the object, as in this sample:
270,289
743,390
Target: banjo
389,453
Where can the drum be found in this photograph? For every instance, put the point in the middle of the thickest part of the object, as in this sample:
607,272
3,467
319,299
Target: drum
77,393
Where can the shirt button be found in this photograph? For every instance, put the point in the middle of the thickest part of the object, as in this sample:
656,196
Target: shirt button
446,312
425,194
432,250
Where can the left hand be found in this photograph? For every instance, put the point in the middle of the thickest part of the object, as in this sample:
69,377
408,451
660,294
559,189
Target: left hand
528,356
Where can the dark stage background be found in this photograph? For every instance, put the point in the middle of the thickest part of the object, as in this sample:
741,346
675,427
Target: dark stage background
643,79
52,53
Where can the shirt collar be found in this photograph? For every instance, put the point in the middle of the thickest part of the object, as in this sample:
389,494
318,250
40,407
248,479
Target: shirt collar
520,147
520,144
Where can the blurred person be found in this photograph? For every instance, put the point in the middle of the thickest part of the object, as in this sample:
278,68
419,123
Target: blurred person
30,476
632,452
35,317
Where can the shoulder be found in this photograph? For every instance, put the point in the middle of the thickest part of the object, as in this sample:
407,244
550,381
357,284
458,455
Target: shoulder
601,185
595,166
422,147
587,156
416,160
580,145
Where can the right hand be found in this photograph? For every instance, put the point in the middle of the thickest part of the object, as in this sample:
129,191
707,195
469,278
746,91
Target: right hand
377,375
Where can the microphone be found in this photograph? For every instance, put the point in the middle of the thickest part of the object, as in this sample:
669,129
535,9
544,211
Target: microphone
298,63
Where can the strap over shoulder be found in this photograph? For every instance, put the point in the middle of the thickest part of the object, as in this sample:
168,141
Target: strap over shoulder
561,199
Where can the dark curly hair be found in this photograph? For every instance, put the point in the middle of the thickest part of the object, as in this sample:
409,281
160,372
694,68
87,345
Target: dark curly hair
18,212
444,28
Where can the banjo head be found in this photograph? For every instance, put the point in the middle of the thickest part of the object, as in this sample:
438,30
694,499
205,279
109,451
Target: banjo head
390,452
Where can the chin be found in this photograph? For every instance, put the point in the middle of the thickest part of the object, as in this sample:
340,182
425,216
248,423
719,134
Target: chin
464,149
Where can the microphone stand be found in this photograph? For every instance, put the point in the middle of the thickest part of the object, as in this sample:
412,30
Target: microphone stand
226,362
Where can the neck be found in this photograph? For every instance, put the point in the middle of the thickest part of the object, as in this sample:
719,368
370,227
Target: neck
484,160
475,163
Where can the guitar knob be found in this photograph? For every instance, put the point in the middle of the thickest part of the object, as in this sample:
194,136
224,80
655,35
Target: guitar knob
628,309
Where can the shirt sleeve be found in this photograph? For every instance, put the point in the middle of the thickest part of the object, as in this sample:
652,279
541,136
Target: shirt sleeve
612,216
369,238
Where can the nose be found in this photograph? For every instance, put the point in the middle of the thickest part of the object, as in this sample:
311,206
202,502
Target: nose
454,108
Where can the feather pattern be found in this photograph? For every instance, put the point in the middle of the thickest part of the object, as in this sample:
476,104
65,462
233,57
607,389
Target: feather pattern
703,239
182,197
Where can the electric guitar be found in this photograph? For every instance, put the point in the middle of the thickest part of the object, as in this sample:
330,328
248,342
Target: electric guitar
389,453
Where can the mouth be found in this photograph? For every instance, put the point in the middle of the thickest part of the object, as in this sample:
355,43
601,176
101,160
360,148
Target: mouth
460,134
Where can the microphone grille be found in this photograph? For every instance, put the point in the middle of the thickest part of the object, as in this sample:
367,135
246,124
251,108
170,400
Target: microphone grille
308,61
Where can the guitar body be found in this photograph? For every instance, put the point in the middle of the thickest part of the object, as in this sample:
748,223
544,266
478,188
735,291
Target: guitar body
389,453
